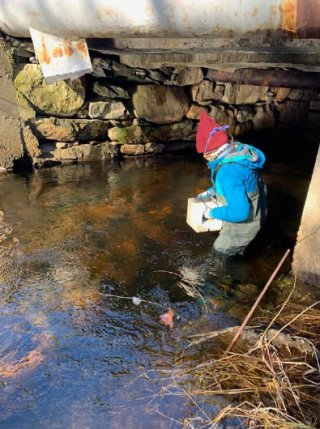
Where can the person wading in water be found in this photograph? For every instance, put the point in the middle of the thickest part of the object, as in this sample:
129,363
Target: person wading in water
236,185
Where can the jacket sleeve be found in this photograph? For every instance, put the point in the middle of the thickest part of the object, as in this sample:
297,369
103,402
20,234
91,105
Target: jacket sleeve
230,181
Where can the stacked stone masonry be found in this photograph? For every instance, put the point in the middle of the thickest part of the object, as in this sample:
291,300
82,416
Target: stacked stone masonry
125,111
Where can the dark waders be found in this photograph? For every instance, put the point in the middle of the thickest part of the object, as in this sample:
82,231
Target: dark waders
235,237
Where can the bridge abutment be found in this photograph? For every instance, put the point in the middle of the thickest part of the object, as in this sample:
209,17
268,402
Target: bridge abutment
306,259
10,127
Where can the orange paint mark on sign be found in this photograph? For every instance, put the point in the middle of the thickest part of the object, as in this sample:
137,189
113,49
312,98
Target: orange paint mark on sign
82,49
44,56
67,49
57,52
289,15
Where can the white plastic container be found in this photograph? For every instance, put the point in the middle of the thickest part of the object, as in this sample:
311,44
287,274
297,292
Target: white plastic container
195,215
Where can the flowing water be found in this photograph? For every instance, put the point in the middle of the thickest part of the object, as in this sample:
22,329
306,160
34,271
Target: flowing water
72,239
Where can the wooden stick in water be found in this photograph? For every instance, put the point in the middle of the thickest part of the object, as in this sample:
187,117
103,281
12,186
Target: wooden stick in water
264,290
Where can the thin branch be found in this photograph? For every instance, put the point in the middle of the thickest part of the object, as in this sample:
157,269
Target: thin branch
264,290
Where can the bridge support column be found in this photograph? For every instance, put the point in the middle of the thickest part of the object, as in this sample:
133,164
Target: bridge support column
306,258
10,128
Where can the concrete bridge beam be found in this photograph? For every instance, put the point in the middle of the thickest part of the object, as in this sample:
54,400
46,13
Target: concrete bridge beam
161,18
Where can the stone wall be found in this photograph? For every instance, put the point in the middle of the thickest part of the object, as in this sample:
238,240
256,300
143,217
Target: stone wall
125,111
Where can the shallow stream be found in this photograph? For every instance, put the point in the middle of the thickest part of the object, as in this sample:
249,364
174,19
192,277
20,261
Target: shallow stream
72,355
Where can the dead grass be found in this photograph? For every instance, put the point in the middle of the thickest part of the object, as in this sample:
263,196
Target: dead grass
271,380
304,324
275,391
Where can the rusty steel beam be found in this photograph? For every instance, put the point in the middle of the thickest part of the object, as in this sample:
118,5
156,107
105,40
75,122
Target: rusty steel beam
268,77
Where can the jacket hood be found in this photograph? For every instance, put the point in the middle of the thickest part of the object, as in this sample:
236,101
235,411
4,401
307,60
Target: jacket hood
242,154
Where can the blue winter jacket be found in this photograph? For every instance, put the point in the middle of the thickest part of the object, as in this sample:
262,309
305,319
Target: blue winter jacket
234,176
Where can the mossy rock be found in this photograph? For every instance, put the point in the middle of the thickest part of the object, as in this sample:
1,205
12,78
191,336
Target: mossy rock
63,98
26,110
136,134
129,134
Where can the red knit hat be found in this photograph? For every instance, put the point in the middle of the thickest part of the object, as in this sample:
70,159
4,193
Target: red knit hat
210,135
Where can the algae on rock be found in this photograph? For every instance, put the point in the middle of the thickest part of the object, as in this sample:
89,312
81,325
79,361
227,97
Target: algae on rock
63,98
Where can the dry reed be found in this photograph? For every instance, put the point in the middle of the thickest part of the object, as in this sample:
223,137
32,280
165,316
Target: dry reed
269,383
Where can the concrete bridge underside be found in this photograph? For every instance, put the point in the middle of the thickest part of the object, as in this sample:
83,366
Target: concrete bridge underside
219,53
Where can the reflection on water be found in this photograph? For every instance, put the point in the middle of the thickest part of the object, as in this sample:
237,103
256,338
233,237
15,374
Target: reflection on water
71,357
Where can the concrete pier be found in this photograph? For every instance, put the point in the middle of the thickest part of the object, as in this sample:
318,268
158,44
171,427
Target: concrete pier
10,128
306,258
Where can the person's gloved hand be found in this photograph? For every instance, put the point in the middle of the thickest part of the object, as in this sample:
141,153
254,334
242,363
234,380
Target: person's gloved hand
208,214
206,194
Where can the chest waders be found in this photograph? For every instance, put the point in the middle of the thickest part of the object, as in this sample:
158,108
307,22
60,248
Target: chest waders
234,237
